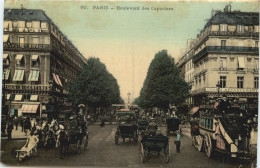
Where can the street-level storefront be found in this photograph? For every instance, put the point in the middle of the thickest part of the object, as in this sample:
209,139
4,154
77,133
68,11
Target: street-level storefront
247,99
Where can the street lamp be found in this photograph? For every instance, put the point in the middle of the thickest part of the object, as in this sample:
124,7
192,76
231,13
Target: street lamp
218,85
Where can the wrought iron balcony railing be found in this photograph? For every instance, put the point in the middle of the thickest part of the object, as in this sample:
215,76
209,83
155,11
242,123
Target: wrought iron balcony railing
224,49
224,33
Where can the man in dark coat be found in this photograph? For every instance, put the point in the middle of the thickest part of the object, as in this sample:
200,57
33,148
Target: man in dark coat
224,105
22,123
27,125
10,128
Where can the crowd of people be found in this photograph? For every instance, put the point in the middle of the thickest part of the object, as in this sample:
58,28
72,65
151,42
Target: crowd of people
26,124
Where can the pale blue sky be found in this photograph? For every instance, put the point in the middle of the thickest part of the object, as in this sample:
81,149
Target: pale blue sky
126,41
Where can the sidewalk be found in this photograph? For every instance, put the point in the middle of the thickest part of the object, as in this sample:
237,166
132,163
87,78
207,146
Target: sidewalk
17,134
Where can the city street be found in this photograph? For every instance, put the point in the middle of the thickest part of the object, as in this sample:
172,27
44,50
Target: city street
102,151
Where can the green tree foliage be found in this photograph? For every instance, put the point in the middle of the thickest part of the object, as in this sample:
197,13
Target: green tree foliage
94,86
163,84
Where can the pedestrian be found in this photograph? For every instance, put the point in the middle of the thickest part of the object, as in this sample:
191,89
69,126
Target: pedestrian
16,122
178,141
9,130
27,125
22,123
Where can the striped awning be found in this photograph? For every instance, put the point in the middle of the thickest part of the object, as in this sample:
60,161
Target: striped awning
5,56
18,75
6,37
56,79
194,110
19,57
18,97
34,97
6,74
34,75
28,108
35,57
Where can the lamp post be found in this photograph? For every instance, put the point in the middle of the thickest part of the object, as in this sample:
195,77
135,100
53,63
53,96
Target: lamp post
218,85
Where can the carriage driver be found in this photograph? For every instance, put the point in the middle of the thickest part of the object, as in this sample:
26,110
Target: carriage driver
152,127
72,126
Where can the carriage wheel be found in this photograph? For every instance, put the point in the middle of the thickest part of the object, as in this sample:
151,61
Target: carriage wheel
142,153
78,147
61,150
199,140
167,153
86,143
208,145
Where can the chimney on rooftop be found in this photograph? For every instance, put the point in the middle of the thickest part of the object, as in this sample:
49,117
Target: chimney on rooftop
227,8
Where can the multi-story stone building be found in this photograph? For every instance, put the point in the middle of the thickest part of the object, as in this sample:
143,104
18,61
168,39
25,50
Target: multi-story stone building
186,67
39,63
226,58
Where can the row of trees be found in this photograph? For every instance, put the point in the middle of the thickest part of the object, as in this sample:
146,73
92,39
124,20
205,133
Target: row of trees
95,86
163,84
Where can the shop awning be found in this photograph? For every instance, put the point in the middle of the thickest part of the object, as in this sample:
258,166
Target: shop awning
35,57
5,56
194,110
55,79
34,97
34,75
18,97
6,37
19,57
28,108
18,75
6,75
58,79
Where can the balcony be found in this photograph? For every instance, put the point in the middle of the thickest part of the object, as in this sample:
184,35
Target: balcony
229,49
20,87
224,33
17,46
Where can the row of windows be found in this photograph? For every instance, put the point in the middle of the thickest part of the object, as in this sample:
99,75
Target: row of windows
240,82
224,44
23,24
239,28
223,81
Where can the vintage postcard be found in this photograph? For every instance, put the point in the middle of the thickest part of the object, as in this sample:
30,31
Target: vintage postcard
129,83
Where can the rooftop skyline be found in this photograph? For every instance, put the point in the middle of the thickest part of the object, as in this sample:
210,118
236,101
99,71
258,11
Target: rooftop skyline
127,40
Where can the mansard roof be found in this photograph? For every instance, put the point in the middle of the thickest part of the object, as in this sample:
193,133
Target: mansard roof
234,18
25,15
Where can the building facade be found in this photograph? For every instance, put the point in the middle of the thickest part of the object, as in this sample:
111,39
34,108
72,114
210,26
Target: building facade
39,63
226,58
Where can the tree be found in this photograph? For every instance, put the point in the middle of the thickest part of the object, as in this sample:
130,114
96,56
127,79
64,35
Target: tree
163,85
94,86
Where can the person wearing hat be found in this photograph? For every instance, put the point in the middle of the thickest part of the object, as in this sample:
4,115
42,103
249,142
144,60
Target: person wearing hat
178,141
10,128
224,105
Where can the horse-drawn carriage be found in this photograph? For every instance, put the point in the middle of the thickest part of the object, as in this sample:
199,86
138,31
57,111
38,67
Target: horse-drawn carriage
172,125
227,134
142,125
126,126
75,134
153,142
